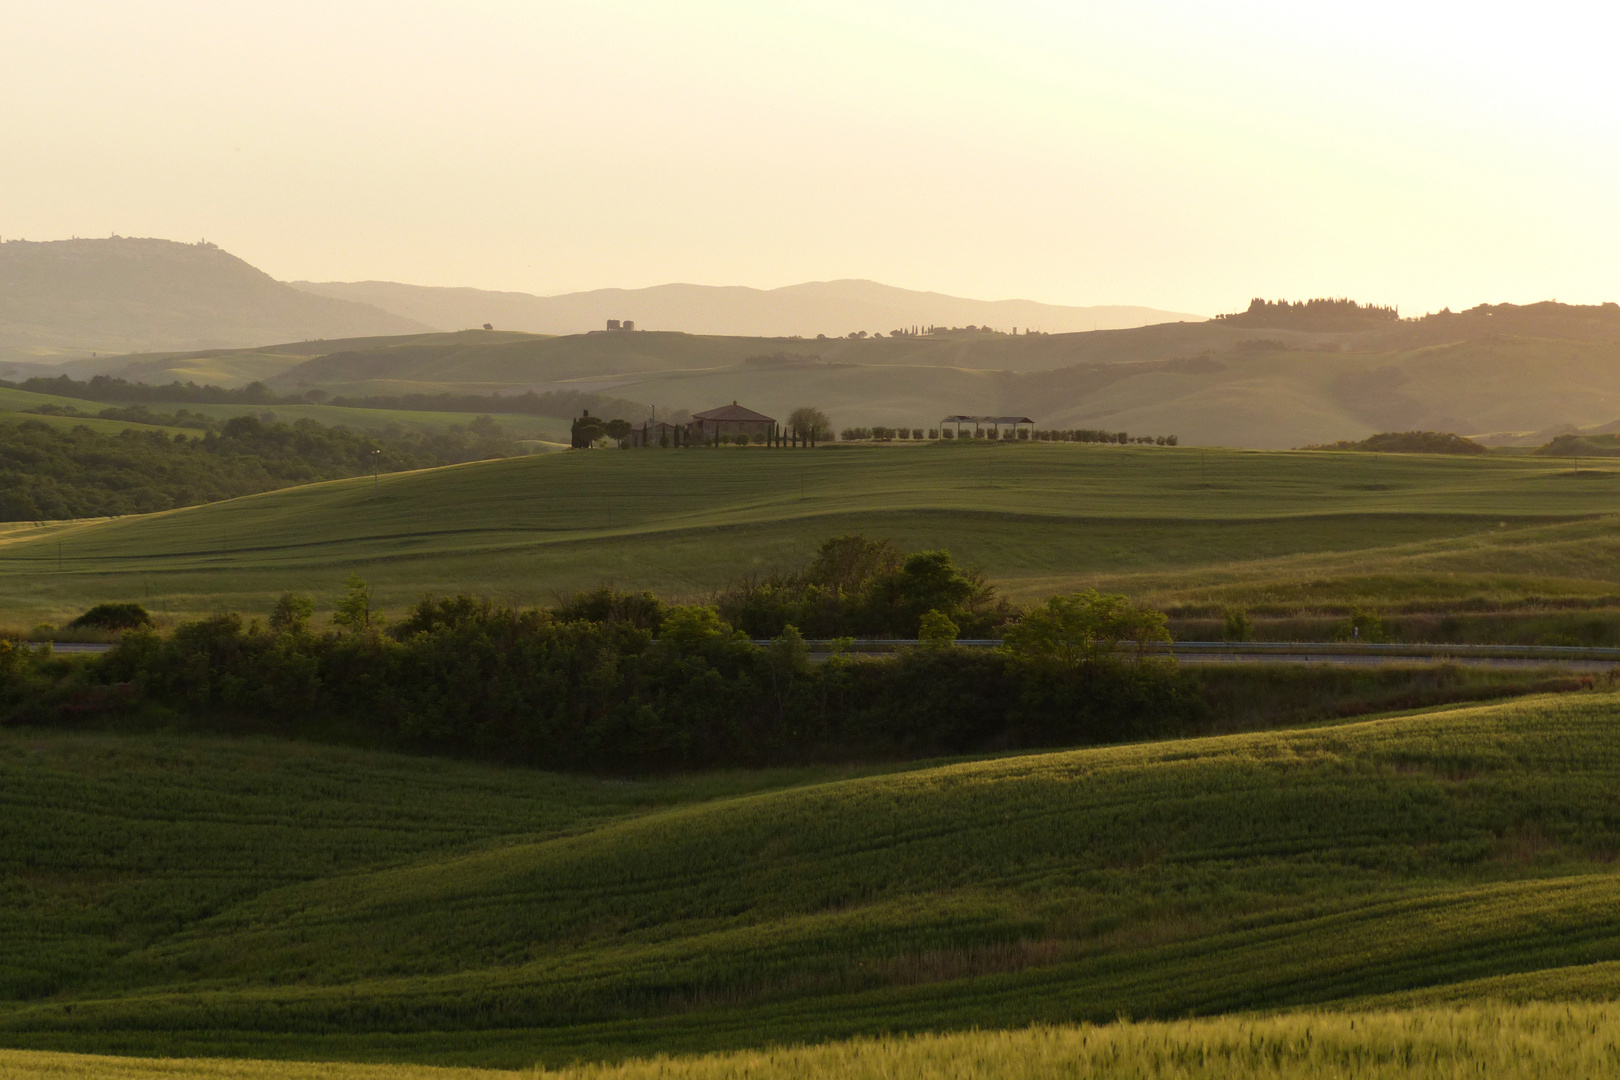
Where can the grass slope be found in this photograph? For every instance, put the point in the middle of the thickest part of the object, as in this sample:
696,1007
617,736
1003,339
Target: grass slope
274,902
1168,525
1508,1043
18,405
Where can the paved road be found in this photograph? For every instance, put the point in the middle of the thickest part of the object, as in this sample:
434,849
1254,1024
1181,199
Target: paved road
1205,652
1327,652
1363,660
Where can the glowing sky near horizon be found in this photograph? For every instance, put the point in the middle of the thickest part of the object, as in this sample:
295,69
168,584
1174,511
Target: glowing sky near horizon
1182,155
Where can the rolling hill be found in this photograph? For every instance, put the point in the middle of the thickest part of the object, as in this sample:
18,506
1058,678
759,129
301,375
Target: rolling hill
1276,533
69,298
235,367
241,897
1274,376
1502,373
834,308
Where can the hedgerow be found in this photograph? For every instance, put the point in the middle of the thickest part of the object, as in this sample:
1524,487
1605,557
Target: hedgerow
464,676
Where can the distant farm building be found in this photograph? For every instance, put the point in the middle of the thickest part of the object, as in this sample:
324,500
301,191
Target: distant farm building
655,433
730,421
626,324
996,422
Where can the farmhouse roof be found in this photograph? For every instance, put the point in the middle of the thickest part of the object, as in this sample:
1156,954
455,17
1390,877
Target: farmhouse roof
988,420
733,412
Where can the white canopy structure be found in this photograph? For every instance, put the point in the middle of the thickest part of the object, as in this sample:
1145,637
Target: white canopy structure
979,421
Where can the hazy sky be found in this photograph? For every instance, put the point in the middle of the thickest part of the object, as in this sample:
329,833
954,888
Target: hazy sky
1183,155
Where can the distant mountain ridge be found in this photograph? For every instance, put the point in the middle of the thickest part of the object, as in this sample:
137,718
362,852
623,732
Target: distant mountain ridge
67,298
834,308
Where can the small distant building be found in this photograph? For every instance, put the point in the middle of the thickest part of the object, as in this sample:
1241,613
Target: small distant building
730,420
621,324
613,324
978,422
654,433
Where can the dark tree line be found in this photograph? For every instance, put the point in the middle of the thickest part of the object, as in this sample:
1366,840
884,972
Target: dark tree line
1321,314
611,682
1409,442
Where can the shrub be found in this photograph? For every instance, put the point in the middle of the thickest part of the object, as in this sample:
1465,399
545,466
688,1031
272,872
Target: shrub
605,605
292,613
114,617
1363,626
1069,632
863,587
354,611
936,631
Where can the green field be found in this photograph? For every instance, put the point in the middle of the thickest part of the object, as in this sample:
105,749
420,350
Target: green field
1517,1042
17,405
196,896
1178,527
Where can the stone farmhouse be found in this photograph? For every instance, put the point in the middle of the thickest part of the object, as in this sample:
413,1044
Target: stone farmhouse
730,420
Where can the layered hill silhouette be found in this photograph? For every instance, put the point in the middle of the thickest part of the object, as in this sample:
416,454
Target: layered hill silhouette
1276,375
1501,372
834,308
122,294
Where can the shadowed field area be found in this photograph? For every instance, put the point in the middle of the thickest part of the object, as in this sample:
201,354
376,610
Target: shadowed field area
213,897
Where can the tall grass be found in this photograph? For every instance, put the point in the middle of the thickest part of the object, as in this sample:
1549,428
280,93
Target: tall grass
1522,1042
1504,1043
